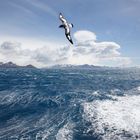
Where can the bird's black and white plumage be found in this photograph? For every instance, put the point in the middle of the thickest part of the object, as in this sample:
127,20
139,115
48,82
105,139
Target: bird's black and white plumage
66,26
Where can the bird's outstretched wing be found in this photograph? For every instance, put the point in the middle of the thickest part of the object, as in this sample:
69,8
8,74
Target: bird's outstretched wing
63,20
69,38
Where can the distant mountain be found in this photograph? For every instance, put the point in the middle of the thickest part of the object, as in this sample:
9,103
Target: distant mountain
30,66
85,66
12,65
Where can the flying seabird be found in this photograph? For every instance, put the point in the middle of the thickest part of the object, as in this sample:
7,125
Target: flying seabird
66,26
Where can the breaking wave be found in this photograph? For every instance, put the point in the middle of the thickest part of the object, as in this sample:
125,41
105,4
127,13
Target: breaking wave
114,119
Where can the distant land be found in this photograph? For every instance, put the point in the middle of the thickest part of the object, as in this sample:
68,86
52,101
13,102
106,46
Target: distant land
64,66
89,67
85,66
13,65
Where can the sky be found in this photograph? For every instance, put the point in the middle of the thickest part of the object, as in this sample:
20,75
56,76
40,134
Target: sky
106,32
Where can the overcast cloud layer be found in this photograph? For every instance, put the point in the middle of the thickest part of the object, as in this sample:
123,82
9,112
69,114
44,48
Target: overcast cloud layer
86,51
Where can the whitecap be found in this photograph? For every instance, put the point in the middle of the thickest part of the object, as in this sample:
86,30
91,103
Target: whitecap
113,120
66,132
138,88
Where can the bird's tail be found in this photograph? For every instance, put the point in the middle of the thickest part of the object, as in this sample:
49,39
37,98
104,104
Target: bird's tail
71,25
71,41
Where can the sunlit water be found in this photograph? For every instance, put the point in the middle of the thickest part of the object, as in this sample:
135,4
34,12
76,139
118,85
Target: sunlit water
68,104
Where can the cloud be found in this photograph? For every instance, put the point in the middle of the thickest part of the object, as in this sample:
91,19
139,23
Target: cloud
43,7
103,53
21,7
82,36
12,51
86,51
10,46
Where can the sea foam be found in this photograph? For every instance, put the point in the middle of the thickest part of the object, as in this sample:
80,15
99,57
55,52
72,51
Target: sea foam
114,119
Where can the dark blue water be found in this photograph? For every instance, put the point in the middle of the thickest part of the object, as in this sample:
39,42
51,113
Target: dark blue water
57,104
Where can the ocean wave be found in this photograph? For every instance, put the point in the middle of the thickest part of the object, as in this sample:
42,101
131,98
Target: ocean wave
114,119
69,105
66,132
26,100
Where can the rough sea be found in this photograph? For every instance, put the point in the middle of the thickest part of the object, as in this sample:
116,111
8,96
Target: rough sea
70,104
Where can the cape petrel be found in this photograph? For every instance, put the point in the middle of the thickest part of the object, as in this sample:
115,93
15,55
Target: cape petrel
66,26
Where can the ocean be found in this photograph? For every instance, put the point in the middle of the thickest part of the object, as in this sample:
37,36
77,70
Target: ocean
70,104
